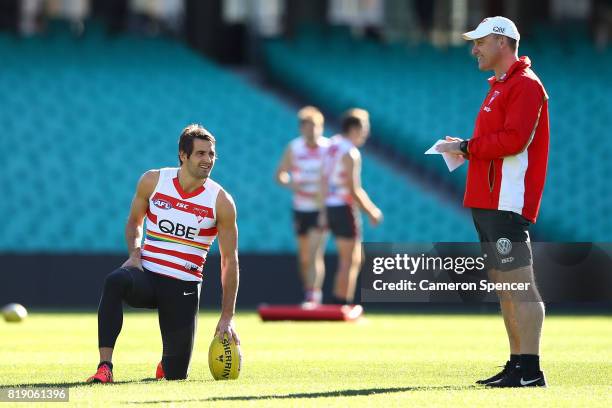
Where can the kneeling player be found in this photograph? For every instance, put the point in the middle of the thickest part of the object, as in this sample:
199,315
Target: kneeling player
185,211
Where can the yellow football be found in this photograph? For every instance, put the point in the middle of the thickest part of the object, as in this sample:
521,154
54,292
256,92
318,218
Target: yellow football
224,359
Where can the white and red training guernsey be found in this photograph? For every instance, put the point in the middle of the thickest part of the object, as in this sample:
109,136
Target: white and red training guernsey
306,172
180,227
338,192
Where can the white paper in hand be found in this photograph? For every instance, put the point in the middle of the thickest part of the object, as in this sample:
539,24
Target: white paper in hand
452,161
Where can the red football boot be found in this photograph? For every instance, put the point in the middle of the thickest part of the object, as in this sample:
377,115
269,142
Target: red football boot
159,373
103,375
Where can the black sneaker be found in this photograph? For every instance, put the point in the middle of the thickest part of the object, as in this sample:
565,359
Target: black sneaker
500,375
516,379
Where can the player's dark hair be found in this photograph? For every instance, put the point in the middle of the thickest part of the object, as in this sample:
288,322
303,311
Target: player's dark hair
354,118
191,132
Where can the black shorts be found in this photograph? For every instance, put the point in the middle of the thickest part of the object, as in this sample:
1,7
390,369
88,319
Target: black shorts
504,237
344,221
304,221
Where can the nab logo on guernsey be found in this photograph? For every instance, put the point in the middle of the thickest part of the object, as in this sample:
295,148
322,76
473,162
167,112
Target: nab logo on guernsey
163,204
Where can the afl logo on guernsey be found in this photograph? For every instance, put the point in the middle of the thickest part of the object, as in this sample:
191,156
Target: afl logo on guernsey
164,205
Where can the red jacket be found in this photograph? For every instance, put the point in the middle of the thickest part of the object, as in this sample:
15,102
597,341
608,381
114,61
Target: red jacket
508,151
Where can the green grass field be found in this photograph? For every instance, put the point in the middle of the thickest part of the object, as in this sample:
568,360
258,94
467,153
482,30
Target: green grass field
383,360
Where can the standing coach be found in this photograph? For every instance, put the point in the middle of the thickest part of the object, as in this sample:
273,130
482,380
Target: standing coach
508,155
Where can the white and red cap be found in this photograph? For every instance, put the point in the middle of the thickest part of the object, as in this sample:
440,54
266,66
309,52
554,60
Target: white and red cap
493,25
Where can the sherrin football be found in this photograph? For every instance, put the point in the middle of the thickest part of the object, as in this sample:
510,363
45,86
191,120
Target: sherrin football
14,312
224,359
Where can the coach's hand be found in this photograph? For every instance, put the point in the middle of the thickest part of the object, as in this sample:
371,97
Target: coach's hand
453,139
133,261
226,326
450,147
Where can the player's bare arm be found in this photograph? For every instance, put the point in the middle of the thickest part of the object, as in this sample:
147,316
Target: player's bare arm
138,210
352,163
282,175
227,231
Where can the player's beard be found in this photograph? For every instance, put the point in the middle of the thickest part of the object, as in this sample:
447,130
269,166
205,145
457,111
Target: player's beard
199,173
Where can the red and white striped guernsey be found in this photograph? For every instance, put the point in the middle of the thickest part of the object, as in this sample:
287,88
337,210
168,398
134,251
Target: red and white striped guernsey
334,170
180,227
306,172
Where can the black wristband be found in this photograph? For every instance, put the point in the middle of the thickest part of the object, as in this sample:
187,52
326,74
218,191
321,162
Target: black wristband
463,146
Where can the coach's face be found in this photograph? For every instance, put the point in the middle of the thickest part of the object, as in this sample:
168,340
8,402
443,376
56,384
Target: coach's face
200,162
487,51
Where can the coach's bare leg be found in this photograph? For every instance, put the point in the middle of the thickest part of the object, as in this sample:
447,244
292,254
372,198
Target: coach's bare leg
529,309
349,263
106,354
512,328
508,313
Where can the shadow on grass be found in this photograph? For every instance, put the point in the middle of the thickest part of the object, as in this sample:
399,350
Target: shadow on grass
324,394
72,384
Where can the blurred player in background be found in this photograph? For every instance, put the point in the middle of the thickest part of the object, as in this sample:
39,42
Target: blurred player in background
344,197
185,210
508,156
300,170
